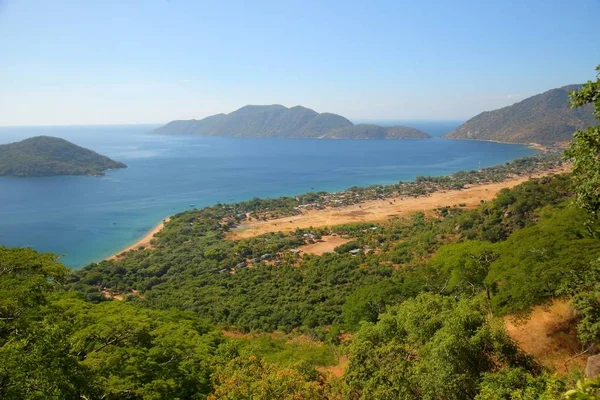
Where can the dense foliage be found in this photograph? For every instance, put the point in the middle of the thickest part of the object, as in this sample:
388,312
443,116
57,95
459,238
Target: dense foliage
48,156
55,344
257,284
430,347
253,378
585,150
420,297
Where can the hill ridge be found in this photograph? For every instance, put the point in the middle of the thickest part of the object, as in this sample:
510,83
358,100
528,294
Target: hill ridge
276,120
545,118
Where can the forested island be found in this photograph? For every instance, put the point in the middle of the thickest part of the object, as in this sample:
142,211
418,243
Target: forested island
280,121
51,156
421,307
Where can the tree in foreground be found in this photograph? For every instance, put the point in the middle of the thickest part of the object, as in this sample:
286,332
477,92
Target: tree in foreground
585,151
254,378
430,347
585,390
54,344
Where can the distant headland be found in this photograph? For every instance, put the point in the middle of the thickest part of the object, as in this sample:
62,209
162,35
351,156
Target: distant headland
546,118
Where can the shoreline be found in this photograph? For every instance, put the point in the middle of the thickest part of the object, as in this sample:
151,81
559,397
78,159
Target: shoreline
384,209
366,210
144,241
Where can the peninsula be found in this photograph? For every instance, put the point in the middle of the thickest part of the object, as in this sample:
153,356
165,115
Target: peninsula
279,121
51,156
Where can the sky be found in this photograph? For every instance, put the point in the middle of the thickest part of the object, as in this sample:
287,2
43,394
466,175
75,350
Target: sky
151,61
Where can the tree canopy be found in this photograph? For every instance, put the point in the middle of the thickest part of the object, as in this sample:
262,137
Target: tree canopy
585,150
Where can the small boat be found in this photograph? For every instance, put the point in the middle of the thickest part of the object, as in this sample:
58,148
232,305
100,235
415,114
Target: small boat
192,205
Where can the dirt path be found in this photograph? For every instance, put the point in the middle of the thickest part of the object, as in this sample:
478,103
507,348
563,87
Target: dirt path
380,210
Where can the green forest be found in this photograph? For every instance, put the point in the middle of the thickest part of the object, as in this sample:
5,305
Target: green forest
411,308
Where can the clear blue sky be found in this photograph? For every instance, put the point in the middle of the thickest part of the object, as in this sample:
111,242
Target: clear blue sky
102,62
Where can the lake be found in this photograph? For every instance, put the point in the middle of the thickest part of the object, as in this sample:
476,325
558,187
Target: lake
86,219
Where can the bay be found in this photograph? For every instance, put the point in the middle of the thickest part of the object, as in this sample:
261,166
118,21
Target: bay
86,219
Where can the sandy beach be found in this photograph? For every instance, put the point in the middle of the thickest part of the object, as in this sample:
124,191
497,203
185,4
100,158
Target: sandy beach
381,210
368,211
145,241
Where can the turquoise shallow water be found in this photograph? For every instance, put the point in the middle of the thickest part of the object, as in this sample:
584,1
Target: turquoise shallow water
87,218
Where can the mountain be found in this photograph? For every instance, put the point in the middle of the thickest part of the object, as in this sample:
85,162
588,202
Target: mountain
544,118
48,156
280,121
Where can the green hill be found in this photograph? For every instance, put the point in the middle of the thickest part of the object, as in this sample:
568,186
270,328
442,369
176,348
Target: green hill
280,121
544,118
49,156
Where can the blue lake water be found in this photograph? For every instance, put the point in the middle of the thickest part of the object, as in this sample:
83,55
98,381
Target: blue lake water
86,219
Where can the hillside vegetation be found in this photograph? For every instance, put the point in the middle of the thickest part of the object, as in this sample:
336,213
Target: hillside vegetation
545,118
48,156
230,282
280,121
410,308
416,299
